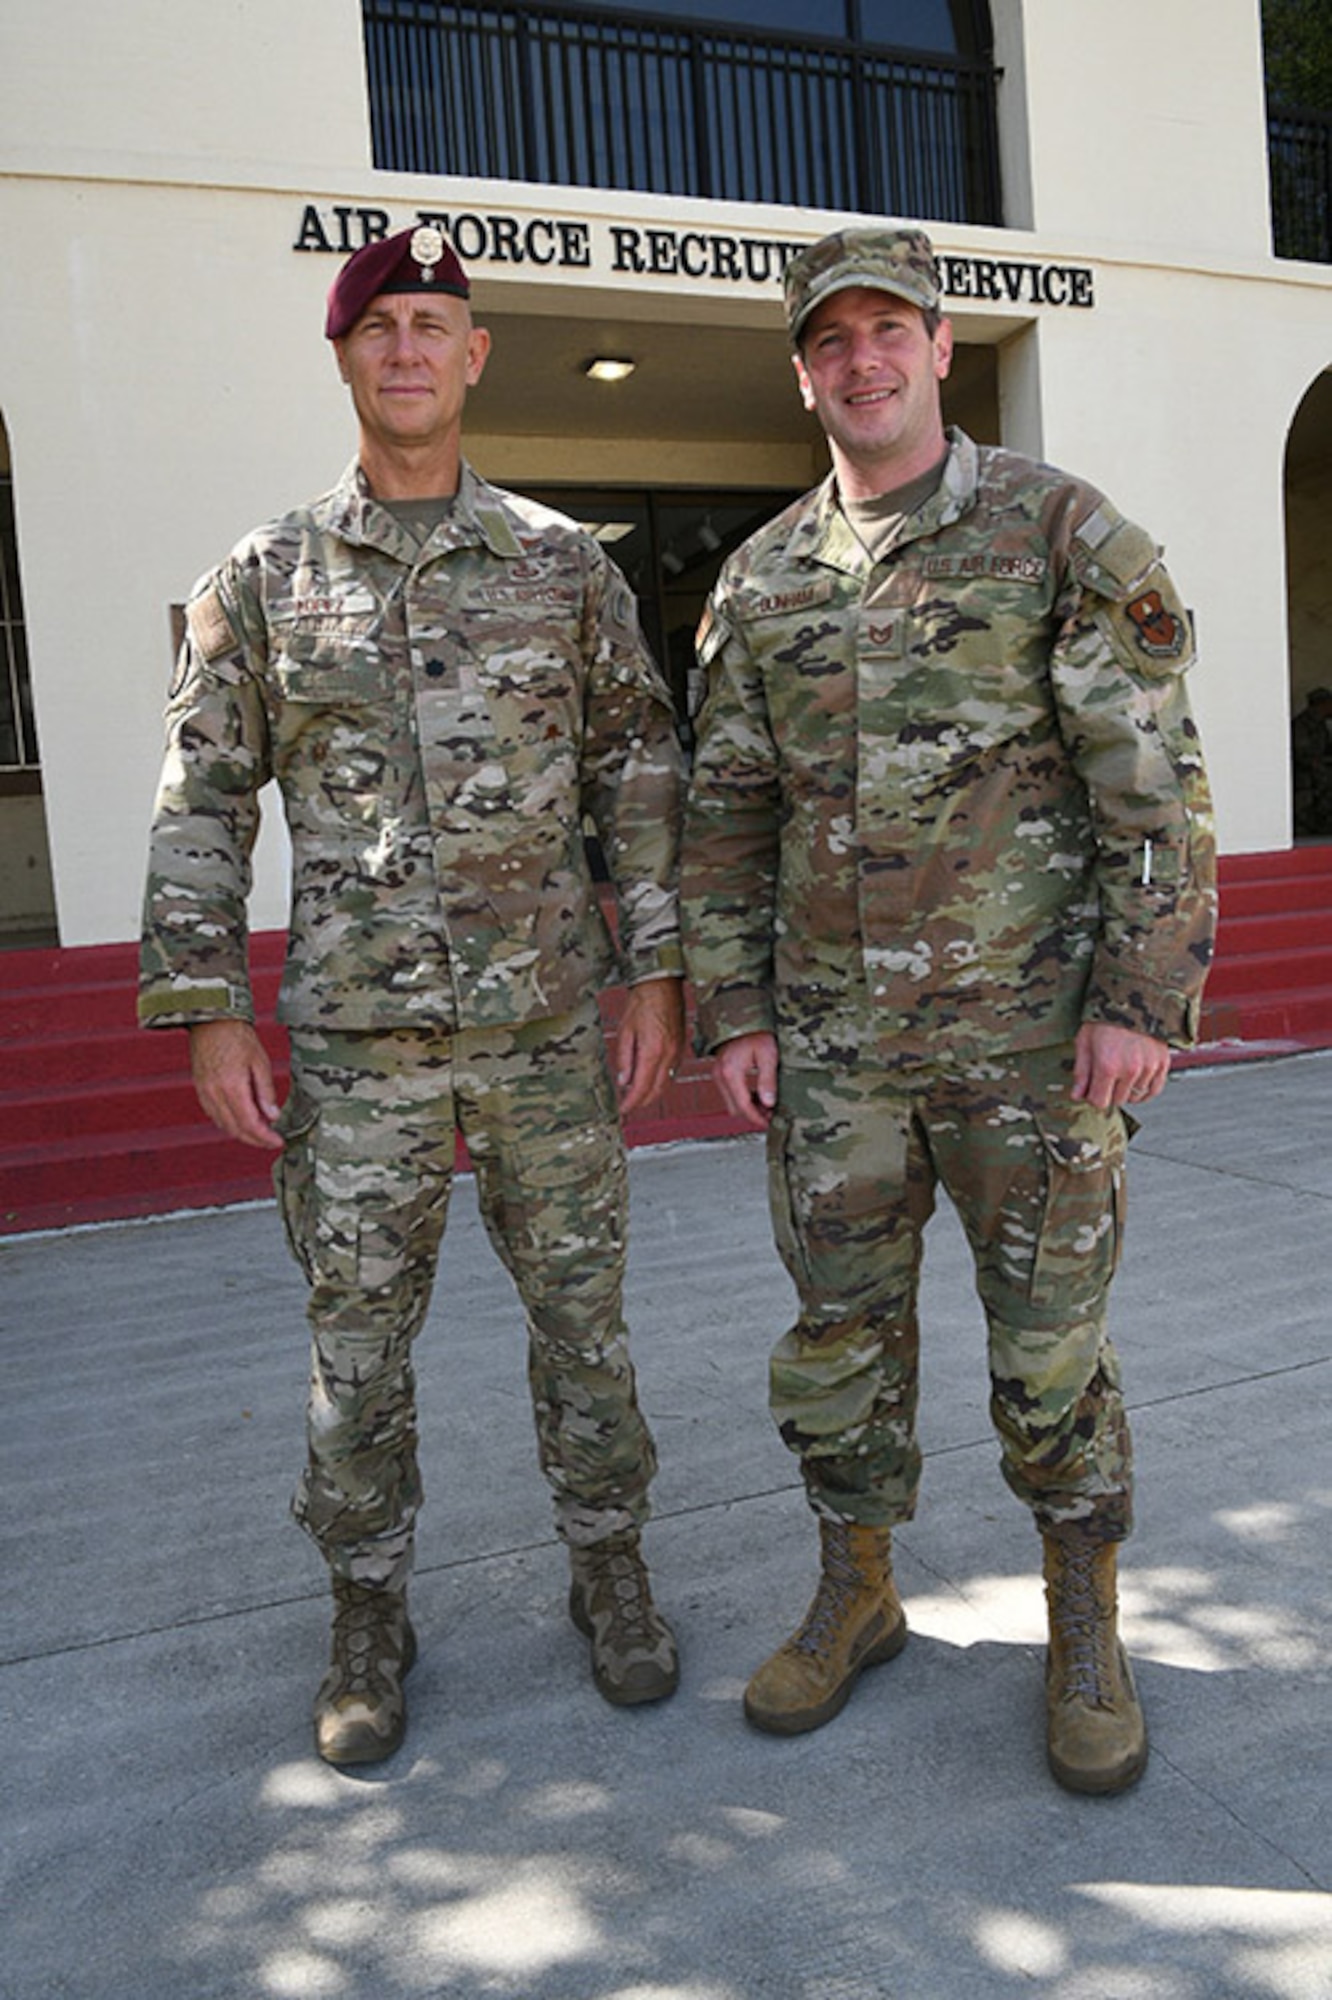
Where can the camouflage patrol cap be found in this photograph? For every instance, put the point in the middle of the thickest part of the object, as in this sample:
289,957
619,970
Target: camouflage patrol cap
415,260
900,261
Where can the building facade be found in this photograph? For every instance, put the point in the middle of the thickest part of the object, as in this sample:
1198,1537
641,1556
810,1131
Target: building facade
180,182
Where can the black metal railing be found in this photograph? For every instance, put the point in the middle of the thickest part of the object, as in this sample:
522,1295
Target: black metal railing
1299,149
586,98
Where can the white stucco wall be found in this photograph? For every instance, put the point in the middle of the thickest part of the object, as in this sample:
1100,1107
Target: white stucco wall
156,401
241,95
157,406
1163,404
1146,122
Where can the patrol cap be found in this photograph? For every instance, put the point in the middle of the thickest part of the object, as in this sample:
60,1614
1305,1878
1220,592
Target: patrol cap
415,260
900,261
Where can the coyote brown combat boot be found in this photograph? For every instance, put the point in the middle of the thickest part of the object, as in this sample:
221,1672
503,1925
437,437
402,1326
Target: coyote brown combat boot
610,1601
855,1621
1096,1736
360,1714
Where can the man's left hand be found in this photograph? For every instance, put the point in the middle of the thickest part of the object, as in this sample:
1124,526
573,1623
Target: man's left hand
650,1041
1115,1066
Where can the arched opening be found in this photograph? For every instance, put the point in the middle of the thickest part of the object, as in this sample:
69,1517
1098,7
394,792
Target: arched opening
27,893
1309,610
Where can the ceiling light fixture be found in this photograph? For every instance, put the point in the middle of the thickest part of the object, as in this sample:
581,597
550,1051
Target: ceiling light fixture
608,368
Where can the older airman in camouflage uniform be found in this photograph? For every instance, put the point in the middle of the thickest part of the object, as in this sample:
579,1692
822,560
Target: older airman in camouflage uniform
446,682
948,888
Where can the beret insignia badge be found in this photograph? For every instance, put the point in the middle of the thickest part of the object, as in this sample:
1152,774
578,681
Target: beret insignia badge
427,250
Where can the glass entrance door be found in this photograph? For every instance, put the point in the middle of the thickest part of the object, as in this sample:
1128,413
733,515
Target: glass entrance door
670,546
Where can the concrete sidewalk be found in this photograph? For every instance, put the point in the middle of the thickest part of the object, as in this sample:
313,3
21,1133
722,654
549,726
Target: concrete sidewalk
168,1834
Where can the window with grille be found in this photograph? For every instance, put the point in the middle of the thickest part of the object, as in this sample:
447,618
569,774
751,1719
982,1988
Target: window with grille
873,106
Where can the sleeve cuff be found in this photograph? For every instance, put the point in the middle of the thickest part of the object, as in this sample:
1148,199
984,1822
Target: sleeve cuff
663,961
186,1004
736,1010
1163,1012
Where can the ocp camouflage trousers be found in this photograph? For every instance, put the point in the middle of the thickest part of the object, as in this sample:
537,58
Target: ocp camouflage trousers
855,1158
363,1186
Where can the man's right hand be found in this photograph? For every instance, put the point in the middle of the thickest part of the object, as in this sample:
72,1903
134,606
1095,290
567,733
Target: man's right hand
233,1080
745,1070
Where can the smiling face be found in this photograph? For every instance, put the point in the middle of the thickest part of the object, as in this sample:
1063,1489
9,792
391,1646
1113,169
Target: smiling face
870,369
409,361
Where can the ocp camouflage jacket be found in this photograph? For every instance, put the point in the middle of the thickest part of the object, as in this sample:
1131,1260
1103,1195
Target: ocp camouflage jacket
440,720
952,803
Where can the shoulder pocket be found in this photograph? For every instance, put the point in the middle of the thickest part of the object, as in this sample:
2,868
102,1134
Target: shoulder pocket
210,628
710,637
1133,600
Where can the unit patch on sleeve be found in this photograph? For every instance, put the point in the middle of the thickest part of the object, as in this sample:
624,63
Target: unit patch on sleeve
1160,632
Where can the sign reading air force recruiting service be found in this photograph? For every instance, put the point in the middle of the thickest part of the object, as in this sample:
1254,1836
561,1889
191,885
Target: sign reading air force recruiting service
621,249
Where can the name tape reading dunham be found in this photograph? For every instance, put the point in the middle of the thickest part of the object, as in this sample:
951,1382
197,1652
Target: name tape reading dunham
696,255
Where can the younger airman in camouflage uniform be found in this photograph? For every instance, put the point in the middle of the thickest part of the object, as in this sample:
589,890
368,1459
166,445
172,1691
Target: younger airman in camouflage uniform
948,889
444,680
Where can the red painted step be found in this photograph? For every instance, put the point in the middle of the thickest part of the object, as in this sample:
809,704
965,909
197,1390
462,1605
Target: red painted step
1277,864
1272,980
1256,971
84,1060
1274,895
98,1120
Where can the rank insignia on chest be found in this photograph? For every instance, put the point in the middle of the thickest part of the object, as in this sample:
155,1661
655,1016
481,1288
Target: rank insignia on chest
882,635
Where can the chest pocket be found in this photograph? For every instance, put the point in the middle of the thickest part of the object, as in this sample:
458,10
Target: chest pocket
518,646
335,705
974,676
331,664
528,681
526,665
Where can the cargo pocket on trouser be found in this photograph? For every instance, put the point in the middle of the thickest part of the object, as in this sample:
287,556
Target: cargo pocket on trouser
781,1205
1082,1224
348,1210
553,1188
843,1380
293,1178
1055,1374
837,1195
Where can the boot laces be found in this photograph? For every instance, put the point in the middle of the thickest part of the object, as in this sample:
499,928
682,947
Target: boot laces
358,1621
837,1586
626,1584
1084,1629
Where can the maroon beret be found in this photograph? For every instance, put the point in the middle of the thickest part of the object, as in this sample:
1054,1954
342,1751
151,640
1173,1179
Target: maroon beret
415,260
